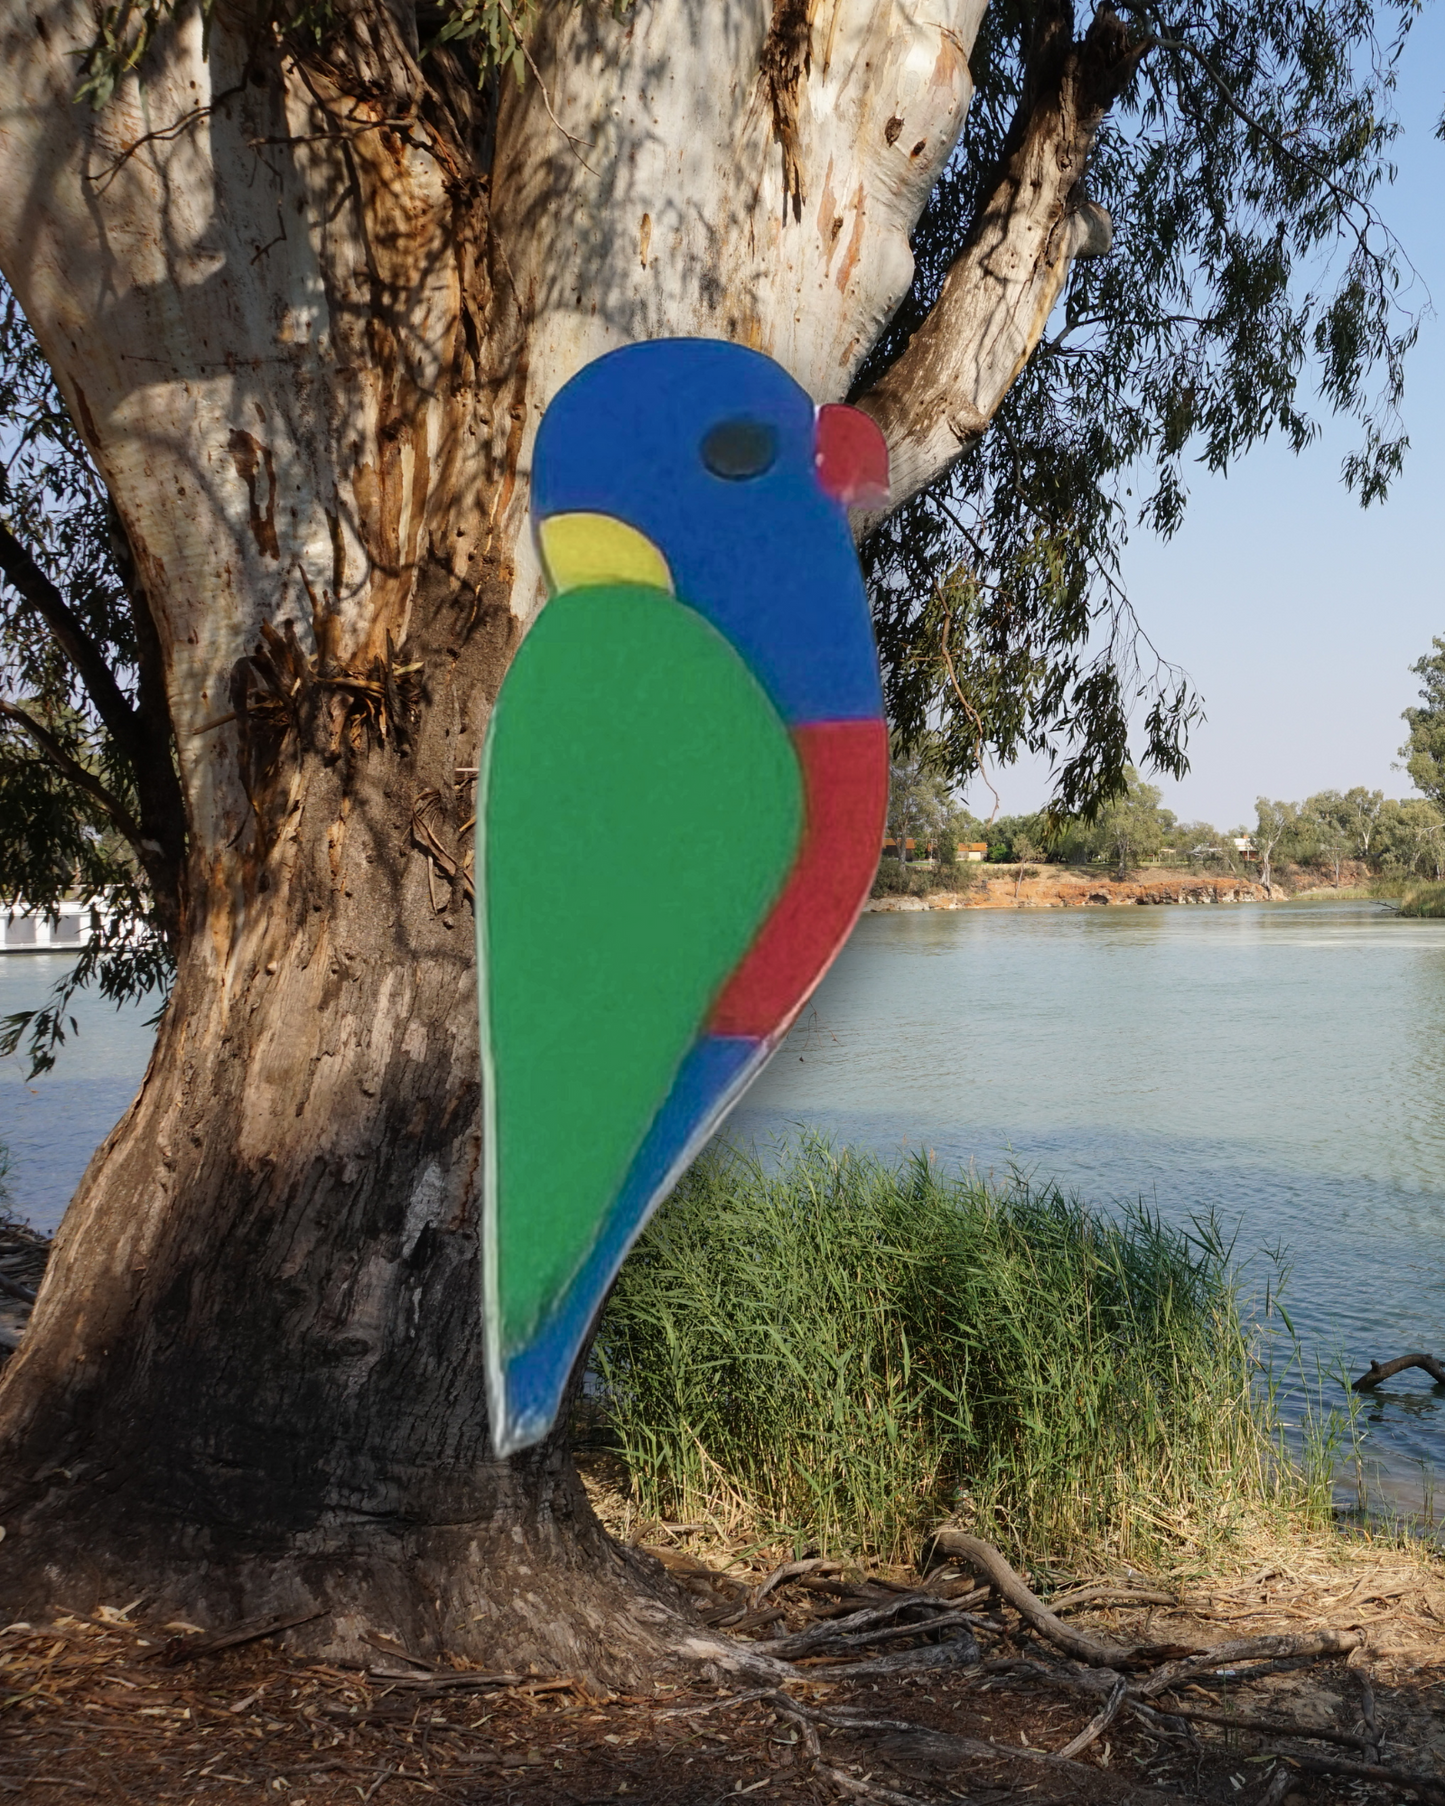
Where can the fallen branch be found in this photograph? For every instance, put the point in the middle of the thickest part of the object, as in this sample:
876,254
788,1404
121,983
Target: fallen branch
1424,1787
726,1703
443,1683
1098,1676
958,1652
1280,1782
1099,1723
1092,1683
1374,1745
1106,1595
1384,1370
789,1570
912,1741
947,1749
987,1560
867,1789
856,1624
1280,1727
1324,1642
798,1715
743,1620
186,1649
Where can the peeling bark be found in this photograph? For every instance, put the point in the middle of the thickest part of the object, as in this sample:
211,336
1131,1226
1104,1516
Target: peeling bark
307,309
997,297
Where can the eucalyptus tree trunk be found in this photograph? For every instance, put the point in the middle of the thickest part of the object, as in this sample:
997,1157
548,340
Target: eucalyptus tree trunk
307,306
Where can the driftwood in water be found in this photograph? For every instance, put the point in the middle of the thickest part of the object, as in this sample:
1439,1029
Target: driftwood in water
1383,1370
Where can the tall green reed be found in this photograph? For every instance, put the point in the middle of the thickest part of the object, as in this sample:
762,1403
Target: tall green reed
841,1353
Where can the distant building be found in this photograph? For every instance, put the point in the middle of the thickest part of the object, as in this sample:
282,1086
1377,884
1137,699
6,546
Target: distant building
967,850
25,930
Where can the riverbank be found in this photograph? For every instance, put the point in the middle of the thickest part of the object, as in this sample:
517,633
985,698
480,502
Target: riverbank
1312,1674
1066,887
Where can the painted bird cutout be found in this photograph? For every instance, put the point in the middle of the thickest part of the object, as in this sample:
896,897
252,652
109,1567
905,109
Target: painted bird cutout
681,801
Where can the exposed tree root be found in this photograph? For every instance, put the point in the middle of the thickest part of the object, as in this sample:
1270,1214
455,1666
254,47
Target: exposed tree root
988,1562
924,1613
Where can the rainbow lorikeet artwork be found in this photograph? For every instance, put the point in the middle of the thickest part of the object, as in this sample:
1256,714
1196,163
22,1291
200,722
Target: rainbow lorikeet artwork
680,808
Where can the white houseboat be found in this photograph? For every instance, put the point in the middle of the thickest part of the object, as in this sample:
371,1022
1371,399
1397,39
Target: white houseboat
30,931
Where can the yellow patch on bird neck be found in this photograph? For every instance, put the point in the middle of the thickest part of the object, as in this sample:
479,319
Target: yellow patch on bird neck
580,551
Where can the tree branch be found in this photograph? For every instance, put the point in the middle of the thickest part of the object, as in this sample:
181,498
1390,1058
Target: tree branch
142,735
72,769
86,657
997,297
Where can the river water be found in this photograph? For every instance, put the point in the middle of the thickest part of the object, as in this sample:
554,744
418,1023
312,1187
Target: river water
50,1126
1280,1065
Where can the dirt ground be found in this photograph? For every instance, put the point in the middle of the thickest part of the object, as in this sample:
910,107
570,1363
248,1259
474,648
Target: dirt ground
113,1709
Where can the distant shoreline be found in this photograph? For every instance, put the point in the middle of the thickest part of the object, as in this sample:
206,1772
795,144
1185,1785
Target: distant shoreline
1064,887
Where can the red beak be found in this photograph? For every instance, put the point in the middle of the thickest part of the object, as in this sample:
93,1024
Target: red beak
851,456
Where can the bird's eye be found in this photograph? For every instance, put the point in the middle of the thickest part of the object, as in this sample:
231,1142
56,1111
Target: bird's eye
740,448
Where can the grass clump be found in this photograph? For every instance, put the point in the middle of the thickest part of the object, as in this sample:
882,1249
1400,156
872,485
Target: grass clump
1423,900
842,1353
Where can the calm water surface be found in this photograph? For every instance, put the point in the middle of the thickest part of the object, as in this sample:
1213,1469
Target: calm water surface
53,1124
1282,1065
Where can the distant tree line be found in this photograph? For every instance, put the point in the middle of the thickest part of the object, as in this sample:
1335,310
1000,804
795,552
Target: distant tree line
1324,833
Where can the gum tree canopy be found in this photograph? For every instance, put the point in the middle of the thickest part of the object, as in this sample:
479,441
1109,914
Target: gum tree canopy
306,275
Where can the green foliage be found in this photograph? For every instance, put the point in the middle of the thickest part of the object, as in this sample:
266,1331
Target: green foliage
1348,820
842,1353
1424,900
1199,843
1424,751
1277,826
894,879
1326,825
123,35
55,840
923,808
495,30
1132,826
1410,838
1249,265
1008,832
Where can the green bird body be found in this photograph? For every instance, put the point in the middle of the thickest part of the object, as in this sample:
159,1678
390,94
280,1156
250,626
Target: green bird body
632,740
692,733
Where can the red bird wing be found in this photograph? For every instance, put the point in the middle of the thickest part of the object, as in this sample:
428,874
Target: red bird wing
845,788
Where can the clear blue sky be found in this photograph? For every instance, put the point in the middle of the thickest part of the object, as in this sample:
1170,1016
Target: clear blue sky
1296,613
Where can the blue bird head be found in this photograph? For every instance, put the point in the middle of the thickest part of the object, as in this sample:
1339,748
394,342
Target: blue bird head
709,471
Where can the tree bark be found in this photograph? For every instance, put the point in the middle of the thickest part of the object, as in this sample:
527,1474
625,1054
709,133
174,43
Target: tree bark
307,308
